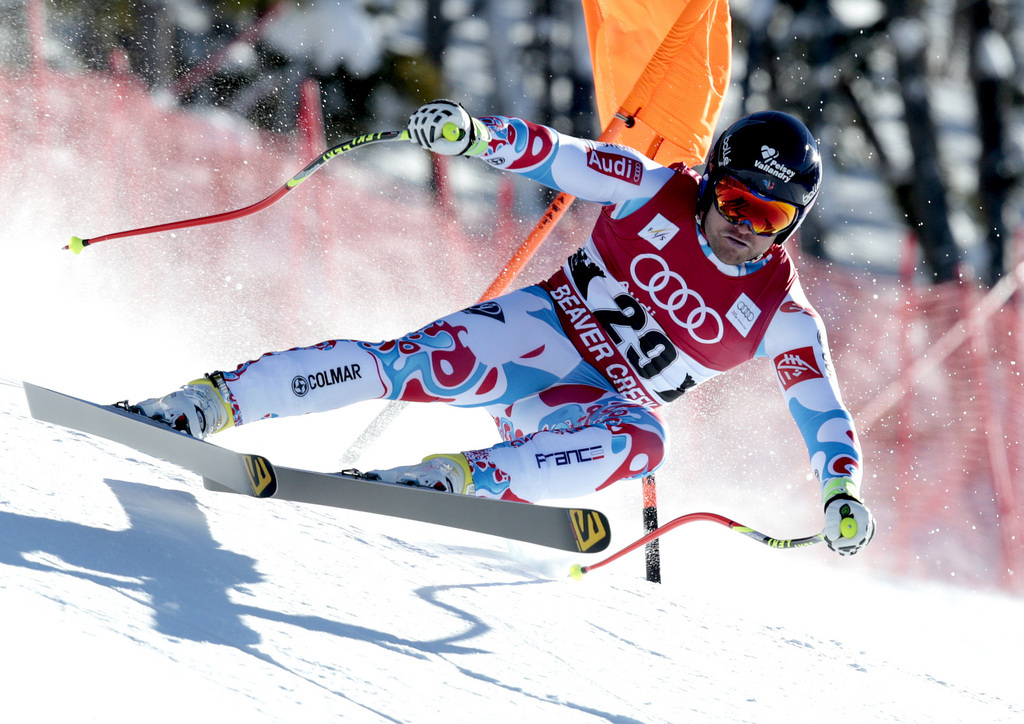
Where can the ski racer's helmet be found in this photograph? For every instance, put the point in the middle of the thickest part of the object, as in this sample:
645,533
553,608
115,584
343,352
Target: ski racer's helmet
773,155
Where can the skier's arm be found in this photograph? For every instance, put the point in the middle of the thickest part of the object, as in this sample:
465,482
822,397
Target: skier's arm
797,344
600,172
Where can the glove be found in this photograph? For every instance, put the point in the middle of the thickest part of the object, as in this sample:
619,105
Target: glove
849,525
444,127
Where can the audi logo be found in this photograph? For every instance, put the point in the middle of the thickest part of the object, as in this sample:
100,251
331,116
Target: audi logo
702,322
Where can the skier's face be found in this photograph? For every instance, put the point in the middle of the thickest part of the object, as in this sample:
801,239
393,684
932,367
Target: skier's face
733,243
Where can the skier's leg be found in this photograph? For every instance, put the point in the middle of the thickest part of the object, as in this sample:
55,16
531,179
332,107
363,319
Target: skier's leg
302,380
588,437
491,353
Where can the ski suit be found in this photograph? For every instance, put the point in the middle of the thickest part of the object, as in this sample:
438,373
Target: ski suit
573,369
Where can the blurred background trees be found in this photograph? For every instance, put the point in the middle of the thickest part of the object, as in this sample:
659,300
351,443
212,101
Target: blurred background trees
119,113
924,96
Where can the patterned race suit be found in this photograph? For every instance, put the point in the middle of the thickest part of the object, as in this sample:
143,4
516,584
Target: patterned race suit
573,369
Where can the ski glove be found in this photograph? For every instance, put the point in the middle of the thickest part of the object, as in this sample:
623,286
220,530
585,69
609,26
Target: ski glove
849,525
444,127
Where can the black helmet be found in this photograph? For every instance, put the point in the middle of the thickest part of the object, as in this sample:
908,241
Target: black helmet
774,154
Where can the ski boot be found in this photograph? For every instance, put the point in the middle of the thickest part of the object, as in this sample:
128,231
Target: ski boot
198,409
447,473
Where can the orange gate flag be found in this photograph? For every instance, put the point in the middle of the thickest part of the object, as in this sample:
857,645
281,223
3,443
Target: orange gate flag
666,64
661,70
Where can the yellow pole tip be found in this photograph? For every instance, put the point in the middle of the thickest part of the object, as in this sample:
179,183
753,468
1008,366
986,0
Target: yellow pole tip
576,572
451,132
76,245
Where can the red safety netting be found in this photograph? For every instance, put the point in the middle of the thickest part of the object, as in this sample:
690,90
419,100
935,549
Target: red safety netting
932,374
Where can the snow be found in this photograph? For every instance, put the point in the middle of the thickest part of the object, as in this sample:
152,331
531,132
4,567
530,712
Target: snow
131,592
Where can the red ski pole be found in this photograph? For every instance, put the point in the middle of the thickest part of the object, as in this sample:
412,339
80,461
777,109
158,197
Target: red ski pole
77,244
577,571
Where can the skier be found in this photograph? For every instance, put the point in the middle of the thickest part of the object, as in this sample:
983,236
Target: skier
683,277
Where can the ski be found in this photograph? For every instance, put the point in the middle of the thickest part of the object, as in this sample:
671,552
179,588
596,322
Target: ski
579,530
571,529
234,470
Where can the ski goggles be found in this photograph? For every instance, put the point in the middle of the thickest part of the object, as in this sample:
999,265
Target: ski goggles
740,204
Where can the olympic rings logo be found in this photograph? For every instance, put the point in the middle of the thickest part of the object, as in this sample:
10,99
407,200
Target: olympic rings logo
695,317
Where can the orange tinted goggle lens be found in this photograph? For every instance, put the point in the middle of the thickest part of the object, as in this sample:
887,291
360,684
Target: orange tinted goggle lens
740,204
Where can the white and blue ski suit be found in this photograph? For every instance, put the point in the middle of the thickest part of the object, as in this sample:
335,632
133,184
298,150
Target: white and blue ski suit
573,369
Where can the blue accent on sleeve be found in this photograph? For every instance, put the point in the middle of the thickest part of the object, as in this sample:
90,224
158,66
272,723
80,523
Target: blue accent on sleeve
810,422
630,206
542,173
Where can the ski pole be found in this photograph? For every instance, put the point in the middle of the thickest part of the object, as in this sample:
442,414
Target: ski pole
577,571
77,244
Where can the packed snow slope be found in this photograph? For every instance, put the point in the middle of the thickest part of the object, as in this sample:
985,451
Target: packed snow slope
129,592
